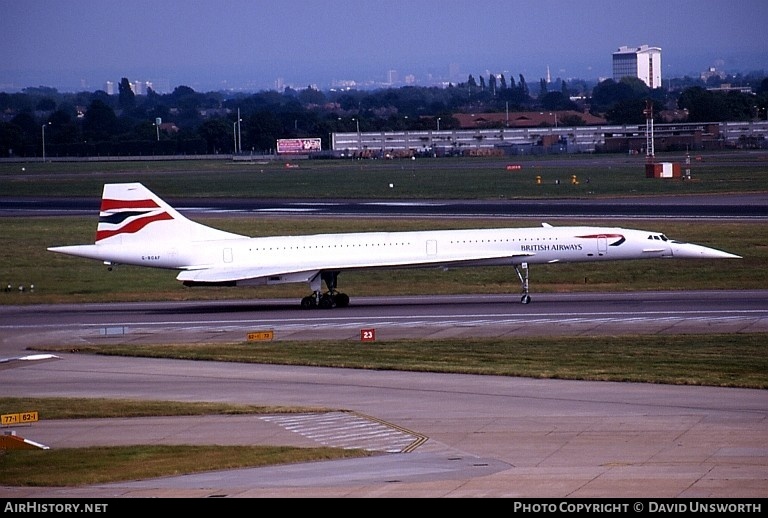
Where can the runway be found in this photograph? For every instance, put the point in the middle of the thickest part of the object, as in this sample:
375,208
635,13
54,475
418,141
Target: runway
437,435
742,207
392,317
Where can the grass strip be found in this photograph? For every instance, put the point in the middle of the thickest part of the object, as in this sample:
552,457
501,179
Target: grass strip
723,360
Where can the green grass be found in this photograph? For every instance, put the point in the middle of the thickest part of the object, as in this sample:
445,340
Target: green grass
100,465
86,408
444,178
724,360
58,278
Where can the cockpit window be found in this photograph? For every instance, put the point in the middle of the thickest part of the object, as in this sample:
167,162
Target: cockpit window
658,237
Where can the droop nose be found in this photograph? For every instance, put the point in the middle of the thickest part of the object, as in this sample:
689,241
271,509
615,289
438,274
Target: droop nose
691,251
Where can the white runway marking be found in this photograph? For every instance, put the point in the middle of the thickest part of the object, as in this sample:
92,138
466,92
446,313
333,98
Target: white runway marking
348,431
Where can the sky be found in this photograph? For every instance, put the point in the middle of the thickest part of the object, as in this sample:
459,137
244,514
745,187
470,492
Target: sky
79,45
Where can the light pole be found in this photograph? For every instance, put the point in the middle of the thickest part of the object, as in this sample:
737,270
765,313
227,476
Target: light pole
550,113
43,130
438,123
234,134
359,139
239,135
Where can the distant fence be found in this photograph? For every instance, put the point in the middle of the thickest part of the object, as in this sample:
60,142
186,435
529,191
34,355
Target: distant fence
146,158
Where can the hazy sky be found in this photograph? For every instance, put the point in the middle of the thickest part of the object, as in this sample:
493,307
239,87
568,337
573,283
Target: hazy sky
207,45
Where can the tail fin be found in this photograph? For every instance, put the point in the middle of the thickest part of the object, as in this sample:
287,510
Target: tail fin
131,213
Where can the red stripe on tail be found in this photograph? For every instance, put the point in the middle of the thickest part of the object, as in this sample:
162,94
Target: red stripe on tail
108,204
132,227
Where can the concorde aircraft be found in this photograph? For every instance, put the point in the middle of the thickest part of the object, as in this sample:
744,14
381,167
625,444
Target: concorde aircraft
136,227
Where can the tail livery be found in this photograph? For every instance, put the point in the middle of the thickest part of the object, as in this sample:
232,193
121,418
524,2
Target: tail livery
125,217
132,213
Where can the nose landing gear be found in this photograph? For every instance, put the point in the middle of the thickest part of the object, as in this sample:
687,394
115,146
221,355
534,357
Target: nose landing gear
525,298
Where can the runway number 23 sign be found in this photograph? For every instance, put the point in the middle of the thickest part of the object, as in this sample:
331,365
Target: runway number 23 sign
367,335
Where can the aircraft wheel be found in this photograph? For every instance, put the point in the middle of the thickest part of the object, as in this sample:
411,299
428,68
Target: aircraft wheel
342,300
308,302
525,299
326,302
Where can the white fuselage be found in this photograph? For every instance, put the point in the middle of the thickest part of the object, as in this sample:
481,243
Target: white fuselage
270,257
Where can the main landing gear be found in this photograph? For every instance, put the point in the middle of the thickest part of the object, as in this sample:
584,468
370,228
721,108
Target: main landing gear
326,300
335,299
330,299
525,298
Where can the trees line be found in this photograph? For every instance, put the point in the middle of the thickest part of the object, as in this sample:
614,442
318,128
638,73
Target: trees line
42,120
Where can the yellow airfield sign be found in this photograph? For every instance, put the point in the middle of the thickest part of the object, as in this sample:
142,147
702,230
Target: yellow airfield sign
260,336
20,418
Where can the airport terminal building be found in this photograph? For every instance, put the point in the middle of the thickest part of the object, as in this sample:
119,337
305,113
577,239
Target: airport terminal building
606,138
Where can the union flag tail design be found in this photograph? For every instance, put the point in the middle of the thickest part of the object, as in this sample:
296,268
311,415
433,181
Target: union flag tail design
127,216
131,213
